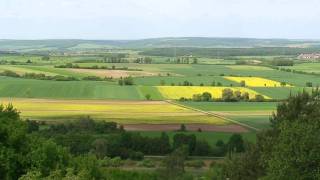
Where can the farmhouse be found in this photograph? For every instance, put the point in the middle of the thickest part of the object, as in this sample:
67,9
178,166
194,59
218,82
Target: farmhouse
313,56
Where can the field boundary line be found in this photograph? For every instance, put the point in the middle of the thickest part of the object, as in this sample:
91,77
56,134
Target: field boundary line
213,114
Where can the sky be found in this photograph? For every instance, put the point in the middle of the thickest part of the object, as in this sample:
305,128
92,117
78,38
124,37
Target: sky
138,19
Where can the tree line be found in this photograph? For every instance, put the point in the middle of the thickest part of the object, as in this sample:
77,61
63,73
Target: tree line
228,95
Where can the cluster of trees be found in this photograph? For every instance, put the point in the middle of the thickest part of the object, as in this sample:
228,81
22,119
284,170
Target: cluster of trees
288,150
188,83
27,155
76,66
15,62
115,58
126,81
143,60
296,71
85,135
39,76
228,95
97,78
282,62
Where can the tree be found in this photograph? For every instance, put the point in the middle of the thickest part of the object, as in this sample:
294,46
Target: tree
148,96
283,84
174,164
237,95
183,128
227,95
195,61
243,83
185,140
259,98
45,58
308,84
162,82
236,143
289,149
245,96
100,148
206,96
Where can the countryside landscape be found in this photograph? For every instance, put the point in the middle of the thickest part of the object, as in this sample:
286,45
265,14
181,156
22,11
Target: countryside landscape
145,90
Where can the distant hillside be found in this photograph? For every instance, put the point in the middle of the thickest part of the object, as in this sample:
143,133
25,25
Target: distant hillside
66,45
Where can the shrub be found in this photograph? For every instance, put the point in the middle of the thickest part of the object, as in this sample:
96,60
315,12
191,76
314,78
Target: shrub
195,164
147,163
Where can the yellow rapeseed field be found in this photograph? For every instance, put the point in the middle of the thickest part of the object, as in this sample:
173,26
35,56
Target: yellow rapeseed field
256,81
123,112
177,92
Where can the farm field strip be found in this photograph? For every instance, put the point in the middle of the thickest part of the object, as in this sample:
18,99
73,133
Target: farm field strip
124,112
216,115
254,114
177,92
22,70
256,81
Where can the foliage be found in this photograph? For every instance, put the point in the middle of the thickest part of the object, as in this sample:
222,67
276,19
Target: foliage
289,150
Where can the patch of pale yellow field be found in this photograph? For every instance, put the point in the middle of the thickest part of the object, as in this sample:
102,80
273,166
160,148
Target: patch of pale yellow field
248,67
177,92
256,81
22,70
113,73
124,112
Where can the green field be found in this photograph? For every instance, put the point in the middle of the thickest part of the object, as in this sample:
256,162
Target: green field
255,114
232,106
163,72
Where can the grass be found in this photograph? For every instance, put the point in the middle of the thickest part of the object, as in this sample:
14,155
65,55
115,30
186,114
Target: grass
232,106
280,92
123,112
28,88
210,137
255,114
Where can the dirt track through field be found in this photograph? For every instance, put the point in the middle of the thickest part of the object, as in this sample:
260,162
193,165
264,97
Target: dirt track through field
215,115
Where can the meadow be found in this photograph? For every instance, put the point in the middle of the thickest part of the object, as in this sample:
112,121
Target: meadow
161,80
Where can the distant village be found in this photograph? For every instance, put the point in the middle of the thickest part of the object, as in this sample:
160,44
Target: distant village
310,57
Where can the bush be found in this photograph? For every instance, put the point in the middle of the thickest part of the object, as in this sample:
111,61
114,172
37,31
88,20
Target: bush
147,163
194,163
136,155
114,162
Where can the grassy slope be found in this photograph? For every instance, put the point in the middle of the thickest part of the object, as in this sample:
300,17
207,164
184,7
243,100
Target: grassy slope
233,106
14,87
244,112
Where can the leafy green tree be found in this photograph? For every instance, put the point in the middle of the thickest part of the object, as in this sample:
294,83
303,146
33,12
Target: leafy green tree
243,83
289,149
236,143
227,95
206,96
148,96
174,164
259,98
100,148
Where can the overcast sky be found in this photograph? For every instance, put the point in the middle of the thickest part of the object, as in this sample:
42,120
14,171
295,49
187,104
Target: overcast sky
135,19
